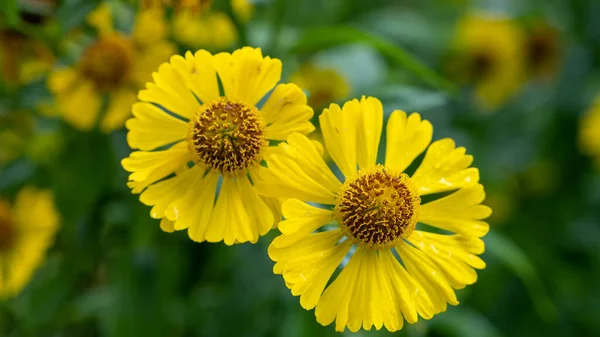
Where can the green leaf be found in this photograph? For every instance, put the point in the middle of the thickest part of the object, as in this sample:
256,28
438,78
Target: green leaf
320,38
412,98
10,8
465,322
509,254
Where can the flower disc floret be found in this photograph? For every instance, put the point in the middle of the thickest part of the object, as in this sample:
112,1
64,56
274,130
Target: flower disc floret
107,62
378,207
227,135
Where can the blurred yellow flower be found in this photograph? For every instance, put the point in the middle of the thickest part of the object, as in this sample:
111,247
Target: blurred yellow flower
589,136
324,85
212,142
114,66
243,9
196,24
15,129
489,55
543,51
22,58
214,30
27,229
369,219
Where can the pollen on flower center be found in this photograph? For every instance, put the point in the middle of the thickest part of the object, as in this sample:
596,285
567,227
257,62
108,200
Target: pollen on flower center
378,207
227,135
7,234
107,62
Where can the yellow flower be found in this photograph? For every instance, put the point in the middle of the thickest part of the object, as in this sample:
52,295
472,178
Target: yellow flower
196,24
543,51
324,85
114,67
27,229
393,269
490,56
22,59
214,29
243,9
589,137
183,118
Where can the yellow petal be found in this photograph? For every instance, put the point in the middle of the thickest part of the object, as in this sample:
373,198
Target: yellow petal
80,105
304,247
298,214
149,167
428,275
149,27
61,80
101,19
37,221
261,218
233,220
286,112
243,9
308,274
170,90
148,59
151,127
167,225
287,176
246,75
459,212
407,138
339,127
449,256
164,193
369,131
455,246
412,298
301,219
203,75
365,304
193,209
34,210
335,301
317,277
119,109
445,168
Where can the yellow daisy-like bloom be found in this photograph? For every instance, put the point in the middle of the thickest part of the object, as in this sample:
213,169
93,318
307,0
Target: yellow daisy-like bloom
324,85
114,66
27,229
589,137
396,270
205,137
489,55
543,51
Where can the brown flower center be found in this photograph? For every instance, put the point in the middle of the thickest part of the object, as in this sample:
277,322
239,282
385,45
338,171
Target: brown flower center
107,62
227,136
8,234
541,50
481,65
378,208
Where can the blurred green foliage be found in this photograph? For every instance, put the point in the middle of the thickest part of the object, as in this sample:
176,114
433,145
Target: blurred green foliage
113,272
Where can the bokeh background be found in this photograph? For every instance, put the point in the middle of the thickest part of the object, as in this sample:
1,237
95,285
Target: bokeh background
514,81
